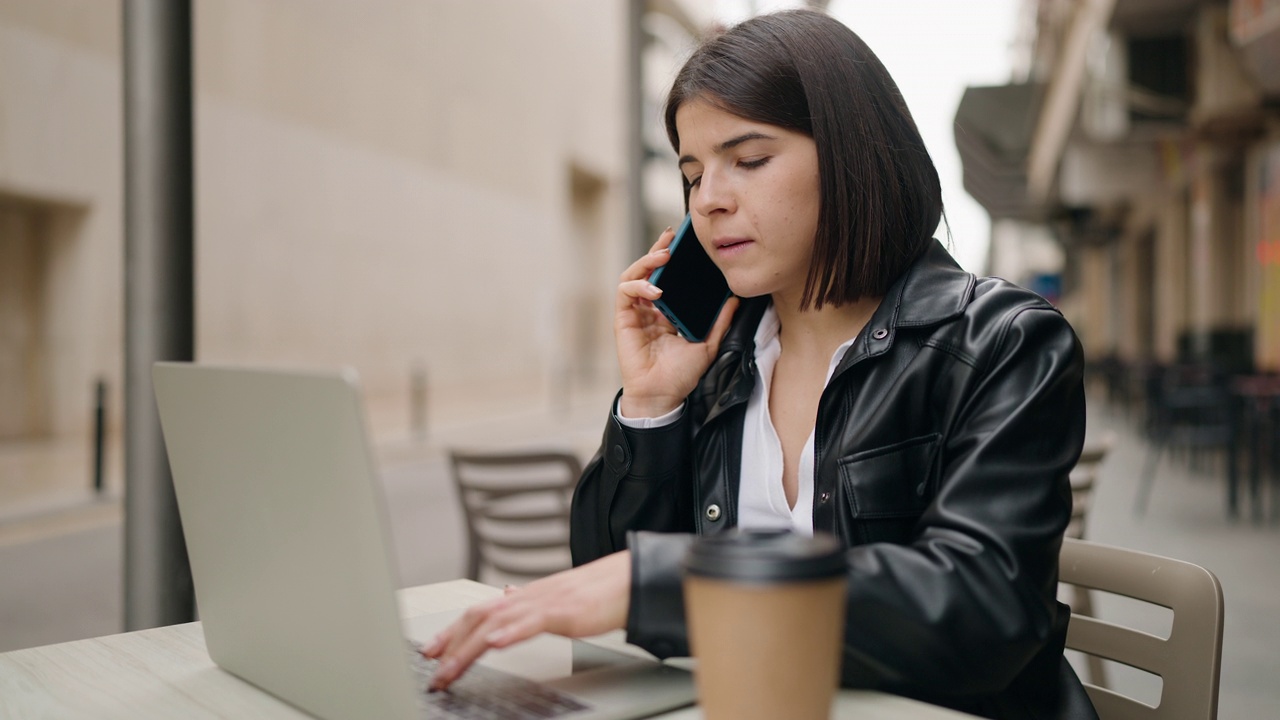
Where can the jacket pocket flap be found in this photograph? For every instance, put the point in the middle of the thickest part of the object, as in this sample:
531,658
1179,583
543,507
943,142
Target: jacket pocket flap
891,481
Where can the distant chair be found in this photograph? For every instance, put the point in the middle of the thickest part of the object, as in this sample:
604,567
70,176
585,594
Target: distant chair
1188,662
1084,478
1193,411
516,509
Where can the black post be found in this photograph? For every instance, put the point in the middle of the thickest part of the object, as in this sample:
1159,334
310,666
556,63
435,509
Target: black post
159,300
99,433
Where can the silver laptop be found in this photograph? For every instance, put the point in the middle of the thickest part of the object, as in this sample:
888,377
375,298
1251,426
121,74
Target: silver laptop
286,529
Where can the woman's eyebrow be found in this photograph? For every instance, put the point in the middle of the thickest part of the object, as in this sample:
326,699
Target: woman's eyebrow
728,145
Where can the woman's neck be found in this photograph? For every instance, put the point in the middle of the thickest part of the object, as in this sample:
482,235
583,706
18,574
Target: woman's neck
818,333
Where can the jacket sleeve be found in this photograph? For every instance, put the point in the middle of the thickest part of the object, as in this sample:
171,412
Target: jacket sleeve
966,606
639,479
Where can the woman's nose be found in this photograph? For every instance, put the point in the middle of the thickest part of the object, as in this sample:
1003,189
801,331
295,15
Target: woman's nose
712,195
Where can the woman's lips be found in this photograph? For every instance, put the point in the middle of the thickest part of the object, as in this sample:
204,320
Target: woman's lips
731,246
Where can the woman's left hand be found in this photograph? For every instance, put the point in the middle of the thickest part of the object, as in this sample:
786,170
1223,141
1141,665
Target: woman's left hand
586,600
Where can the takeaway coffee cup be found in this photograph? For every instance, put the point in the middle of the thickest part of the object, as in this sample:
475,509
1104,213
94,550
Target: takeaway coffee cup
765,612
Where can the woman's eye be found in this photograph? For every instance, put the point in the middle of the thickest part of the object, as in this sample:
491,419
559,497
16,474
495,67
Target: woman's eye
693,182
755,163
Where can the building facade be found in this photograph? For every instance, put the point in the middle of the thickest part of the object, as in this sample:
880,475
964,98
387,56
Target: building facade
396,186
1150,157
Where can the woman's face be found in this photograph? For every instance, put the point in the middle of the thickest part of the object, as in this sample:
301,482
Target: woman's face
754,198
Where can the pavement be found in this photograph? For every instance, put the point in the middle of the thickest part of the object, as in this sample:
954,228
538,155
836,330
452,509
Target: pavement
61,543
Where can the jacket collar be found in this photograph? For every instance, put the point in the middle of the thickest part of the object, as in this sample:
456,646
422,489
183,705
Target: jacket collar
741,337
934,289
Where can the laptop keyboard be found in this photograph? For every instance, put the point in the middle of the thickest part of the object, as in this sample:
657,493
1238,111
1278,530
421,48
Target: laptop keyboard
483,693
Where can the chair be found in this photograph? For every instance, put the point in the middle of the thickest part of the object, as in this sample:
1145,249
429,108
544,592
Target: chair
1188,662
516,510
1192,410
1259,429
1084,477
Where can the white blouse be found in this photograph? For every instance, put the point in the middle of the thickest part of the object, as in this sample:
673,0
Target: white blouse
761,501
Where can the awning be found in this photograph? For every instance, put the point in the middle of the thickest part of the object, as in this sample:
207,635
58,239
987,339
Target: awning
993,129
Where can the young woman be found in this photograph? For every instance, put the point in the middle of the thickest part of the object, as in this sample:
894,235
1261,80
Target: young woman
864,386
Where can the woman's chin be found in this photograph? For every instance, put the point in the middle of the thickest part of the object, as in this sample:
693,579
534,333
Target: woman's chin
746,288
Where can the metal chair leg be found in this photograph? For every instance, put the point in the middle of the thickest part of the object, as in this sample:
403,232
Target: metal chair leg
1148,475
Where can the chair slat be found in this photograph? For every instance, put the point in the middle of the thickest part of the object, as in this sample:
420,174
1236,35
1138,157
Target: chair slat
1116,642
531,570
520,516
550,544
1112,705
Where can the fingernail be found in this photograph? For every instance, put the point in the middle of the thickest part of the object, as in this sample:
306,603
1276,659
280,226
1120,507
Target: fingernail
654,290
668,229
435,647
444,674
497,636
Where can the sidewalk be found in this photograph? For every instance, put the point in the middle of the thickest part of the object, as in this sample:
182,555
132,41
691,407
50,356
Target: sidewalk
62,574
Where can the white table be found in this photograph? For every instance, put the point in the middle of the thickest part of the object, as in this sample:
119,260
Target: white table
166,673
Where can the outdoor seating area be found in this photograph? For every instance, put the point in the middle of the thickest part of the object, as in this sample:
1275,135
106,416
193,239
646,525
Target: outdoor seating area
1211,411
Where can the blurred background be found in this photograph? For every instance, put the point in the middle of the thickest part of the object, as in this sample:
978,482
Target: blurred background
441,194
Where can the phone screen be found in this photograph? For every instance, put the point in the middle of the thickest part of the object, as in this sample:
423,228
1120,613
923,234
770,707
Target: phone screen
693,289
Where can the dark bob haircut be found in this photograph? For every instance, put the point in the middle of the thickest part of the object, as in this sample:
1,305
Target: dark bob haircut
805,71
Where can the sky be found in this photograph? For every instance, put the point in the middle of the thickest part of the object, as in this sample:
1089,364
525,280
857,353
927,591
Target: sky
933,49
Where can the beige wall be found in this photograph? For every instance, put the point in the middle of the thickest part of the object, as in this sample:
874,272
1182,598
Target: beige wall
1172,288
378,184
1217,248
60,156
1092,312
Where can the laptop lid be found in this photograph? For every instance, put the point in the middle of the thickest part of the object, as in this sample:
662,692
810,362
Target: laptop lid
286,533
289,544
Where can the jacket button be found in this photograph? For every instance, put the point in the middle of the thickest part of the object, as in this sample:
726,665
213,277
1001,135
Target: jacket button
880,334
824,497
713,512
617,454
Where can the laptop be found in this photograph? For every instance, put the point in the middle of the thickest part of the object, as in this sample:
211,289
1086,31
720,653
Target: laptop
286,529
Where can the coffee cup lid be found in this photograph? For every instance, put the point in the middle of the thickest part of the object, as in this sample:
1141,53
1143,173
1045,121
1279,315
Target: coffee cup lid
766,556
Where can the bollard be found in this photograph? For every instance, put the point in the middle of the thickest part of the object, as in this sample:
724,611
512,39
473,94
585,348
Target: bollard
418,401
99,434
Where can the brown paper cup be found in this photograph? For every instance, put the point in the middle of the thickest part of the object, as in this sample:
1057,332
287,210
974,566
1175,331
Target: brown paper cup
766,621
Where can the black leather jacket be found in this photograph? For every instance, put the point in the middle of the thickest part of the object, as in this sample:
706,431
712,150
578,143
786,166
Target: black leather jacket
942,448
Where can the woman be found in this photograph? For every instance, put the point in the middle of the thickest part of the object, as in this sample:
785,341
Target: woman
865,386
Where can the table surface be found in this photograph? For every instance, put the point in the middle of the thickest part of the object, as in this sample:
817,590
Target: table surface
166,673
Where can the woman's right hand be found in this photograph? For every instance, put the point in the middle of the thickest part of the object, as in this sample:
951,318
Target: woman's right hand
659,368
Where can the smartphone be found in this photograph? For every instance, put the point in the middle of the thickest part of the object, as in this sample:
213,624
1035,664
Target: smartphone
693,288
